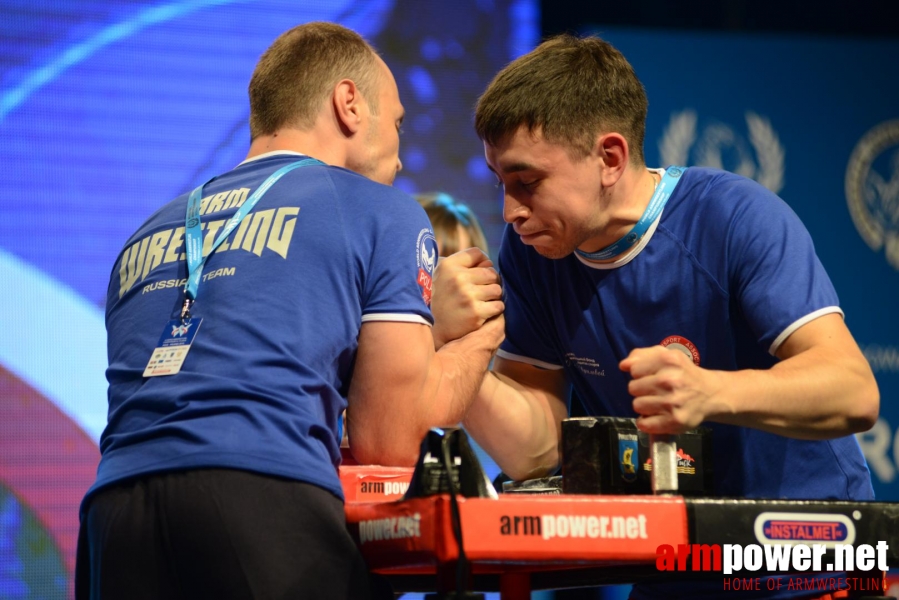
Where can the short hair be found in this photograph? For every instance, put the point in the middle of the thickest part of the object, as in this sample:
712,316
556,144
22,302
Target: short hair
571,90
297,73
446,215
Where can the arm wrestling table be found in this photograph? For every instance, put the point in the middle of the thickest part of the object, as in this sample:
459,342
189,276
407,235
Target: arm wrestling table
519,543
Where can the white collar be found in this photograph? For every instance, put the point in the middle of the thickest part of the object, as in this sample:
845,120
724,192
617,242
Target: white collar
633,252
272,153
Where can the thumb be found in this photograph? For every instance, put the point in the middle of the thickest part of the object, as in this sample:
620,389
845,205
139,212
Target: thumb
468,258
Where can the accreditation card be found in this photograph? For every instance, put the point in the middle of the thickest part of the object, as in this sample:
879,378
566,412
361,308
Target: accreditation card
169,355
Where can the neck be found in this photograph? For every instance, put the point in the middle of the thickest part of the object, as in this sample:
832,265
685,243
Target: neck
309,142
624,205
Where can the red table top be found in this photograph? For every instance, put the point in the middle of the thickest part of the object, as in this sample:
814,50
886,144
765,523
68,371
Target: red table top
546,530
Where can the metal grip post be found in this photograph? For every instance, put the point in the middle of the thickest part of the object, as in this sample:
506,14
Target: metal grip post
664,464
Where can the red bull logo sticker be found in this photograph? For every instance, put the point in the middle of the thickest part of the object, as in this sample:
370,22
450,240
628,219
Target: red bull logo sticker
686,464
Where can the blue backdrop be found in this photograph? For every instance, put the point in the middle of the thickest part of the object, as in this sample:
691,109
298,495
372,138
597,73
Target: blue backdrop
816,120
109,108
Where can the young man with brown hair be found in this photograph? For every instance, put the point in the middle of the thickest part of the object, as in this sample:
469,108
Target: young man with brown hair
608,265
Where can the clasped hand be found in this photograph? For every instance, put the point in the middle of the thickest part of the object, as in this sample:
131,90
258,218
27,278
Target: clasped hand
466,294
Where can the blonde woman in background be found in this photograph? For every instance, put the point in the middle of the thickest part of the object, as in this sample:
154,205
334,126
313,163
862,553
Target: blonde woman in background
456,228
455,225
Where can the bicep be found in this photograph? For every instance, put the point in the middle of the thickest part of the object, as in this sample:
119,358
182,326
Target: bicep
827,333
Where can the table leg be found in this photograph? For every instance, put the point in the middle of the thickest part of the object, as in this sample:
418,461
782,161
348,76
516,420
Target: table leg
515,586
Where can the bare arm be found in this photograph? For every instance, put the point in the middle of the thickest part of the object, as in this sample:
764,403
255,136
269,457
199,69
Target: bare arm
402,387
517,417
822,388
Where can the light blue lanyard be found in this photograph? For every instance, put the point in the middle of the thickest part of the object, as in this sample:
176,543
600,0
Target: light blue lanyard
193,234
653,210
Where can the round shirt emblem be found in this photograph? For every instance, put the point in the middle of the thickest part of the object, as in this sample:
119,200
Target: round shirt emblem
676,342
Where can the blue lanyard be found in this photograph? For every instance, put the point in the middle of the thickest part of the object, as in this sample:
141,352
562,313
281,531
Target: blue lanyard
653,210
193,234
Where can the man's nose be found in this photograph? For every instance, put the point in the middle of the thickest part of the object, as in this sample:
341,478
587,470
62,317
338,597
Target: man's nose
513,209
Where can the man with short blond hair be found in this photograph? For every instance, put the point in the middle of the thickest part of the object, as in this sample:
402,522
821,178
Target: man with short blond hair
287,290
293,77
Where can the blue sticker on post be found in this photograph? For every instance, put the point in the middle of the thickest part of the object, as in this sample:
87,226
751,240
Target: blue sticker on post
173,347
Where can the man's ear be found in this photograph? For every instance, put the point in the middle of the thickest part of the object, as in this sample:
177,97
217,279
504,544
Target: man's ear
614,155
348,106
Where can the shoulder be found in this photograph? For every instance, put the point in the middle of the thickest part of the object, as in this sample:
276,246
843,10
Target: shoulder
370,199
706,194
318,179
358,185
707,185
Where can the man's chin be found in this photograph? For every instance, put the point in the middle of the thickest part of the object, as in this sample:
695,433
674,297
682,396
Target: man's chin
388,179
551,252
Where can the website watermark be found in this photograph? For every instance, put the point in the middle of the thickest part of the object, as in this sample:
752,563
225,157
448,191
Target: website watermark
737,563
731,558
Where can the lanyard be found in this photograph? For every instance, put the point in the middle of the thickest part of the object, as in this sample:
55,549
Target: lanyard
193,234
653,210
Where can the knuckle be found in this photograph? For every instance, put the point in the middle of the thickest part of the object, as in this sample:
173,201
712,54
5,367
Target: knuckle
669,380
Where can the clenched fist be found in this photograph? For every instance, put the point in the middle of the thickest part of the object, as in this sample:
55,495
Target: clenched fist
466,293
671,394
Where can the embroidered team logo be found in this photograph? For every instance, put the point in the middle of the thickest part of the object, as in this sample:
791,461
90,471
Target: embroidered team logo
872,189
721,147
426,257
676,342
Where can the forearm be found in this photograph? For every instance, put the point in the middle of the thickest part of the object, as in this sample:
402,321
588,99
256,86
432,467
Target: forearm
822,388
517,428
817,394
455,375
396,397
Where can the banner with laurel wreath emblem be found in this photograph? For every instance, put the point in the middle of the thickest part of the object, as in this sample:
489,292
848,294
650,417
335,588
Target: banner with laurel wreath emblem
815,120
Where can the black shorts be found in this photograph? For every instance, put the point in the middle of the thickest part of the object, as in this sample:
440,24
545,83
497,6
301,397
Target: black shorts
217,533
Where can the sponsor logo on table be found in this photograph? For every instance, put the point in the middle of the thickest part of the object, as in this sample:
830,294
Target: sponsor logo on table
549,526
391,528
385,488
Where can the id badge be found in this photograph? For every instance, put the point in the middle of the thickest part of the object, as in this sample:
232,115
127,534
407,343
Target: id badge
173,347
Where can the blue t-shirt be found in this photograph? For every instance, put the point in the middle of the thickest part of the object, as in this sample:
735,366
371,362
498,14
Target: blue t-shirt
282,301
726,274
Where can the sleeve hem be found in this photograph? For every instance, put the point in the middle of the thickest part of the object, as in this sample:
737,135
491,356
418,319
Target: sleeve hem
528,360
398,317
775,345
